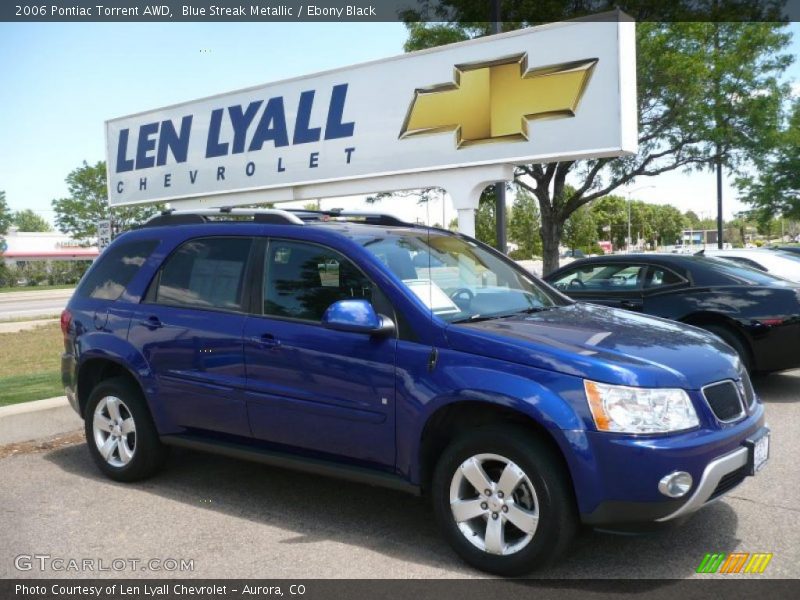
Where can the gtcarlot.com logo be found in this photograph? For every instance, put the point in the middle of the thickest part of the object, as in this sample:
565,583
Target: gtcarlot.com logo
46,562
735,562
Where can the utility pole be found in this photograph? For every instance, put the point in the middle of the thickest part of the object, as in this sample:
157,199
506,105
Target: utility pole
500,186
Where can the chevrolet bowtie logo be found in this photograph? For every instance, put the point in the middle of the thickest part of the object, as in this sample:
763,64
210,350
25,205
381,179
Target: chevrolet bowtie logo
493,101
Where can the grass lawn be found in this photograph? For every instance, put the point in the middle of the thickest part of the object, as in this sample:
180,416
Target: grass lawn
30,364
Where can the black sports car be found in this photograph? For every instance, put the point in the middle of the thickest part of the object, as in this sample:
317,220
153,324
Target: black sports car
755,313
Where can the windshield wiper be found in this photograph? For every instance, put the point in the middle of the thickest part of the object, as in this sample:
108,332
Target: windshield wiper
477,318
533,309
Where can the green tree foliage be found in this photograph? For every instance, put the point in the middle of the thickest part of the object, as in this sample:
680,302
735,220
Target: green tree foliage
691,219
485,228
580,230
524,225
775,190
27,220
707,92
610,215
87,203
6,216
668,224
656,224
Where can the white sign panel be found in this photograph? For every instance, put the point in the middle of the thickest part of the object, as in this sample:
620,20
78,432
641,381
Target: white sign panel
556,92
103,234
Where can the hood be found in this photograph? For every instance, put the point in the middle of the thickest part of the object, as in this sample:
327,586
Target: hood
602,344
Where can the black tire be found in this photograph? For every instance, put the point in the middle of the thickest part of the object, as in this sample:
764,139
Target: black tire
730,337
555,500
148,453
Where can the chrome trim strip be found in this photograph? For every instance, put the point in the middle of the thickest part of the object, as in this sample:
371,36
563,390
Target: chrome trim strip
742,411
713,473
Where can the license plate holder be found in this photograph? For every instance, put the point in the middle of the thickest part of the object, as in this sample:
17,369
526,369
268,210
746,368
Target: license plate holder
757,451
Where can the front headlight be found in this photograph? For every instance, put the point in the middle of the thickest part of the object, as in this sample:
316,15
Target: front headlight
639,410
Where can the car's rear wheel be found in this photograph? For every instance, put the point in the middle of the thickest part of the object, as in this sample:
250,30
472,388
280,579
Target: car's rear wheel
503,500
733,340
122,438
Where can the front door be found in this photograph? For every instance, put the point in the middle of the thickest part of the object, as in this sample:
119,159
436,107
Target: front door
189,329
310,387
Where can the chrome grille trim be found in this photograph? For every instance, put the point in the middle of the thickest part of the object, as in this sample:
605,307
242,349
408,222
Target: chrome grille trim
736,386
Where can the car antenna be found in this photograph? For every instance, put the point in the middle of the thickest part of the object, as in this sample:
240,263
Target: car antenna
700,252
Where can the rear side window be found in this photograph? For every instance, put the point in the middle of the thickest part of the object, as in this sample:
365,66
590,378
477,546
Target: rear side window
205,273
660,277
115,268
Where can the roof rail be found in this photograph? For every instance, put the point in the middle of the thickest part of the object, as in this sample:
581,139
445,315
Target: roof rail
193,217
338,214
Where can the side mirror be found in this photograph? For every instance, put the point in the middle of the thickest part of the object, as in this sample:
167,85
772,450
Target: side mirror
356,316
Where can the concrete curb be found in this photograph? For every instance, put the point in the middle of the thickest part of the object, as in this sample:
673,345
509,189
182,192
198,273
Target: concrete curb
38,419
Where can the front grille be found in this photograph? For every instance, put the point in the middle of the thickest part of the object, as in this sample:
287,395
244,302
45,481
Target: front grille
749,392
729,481
724,400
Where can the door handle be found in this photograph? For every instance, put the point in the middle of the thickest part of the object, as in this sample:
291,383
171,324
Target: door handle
266,340
152,322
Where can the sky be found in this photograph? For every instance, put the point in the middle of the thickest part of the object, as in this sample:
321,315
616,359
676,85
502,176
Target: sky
59,82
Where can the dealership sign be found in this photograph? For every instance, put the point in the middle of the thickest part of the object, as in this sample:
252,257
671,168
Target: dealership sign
557,92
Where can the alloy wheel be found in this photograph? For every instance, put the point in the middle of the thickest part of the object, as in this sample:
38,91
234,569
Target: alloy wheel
114,431
494,504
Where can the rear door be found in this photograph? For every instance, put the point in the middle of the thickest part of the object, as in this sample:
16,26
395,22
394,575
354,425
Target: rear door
189,328
617,284
308,386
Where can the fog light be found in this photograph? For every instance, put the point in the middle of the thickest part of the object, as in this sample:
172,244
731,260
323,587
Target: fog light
675,484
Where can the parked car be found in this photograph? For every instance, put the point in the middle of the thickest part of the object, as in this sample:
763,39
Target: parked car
794,250
758,315
779,264
573,254
309,341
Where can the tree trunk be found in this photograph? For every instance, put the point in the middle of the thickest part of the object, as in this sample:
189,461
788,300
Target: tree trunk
551,236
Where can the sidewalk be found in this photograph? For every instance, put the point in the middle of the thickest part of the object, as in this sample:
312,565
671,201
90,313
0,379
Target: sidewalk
14,327
37,419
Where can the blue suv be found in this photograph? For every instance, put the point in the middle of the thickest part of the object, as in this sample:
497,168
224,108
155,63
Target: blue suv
362,347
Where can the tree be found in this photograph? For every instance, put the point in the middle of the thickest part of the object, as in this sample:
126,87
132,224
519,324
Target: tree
580,230
668,224
681,65
5,214
775,190
524,224
691,219
27,220
87,203
610,215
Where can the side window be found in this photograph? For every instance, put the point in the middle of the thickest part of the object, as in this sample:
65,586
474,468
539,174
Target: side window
606,277
205,273
662,277
115,268
302,280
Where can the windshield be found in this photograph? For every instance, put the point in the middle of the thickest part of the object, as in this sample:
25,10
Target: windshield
744,273
457,279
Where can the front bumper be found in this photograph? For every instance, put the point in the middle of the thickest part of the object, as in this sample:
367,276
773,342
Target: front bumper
625,474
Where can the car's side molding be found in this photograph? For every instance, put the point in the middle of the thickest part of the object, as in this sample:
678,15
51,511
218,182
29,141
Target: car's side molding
314,466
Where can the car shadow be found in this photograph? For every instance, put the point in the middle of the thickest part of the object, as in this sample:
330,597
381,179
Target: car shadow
780,387
398,525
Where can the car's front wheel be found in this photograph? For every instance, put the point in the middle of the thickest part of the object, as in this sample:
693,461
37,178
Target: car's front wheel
503,500
122,438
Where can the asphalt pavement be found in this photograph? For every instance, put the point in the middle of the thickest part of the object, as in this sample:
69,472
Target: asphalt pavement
239,519
38,303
